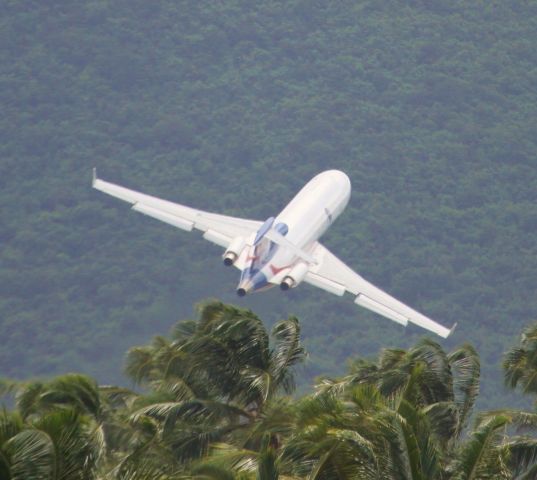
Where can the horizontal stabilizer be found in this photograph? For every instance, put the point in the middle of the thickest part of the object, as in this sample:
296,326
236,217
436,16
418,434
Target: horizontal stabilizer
279,239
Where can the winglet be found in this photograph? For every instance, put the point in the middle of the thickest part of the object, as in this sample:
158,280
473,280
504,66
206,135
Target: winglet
452,329
94,177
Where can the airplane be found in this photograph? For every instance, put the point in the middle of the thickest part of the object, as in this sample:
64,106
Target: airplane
283,250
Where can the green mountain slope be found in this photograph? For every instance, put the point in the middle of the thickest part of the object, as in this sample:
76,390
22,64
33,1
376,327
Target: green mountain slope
430,108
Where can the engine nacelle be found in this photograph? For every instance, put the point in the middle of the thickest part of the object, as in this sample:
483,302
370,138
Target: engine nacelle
234,251
295,276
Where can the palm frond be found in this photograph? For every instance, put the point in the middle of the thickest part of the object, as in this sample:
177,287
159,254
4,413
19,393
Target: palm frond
32,455
466,369
520,421
140,364
74,390
444,420
481,452
288,350
74,447
267,464
11,423
437,378
117,397
212,472
514,365
27,398
184,330
522,457
520,363
193,411
8,387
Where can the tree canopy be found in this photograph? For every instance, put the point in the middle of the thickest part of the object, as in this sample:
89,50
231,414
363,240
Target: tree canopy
215,404
429,107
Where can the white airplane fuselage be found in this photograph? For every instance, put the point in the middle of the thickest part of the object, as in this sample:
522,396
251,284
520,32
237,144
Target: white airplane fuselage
301,222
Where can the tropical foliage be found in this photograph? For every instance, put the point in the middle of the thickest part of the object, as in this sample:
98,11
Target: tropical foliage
520,364
429,106
213,403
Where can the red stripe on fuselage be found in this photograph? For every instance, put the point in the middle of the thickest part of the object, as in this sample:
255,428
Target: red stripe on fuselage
276,270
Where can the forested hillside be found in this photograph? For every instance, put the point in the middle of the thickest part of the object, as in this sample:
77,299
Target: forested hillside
429,107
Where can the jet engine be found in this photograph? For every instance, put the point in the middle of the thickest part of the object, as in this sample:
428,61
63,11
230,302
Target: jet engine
233,251
295,276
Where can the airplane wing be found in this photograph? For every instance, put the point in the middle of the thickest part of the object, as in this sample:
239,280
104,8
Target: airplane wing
219,229
333,275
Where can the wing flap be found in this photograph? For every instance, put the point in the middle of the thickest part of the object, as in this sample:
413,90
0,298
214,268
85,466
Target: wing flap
217,238
164,217
325,284
377,307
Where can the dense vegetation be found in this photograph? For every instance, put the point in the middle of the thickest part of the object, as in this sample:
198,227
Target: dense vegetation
215,406
430,107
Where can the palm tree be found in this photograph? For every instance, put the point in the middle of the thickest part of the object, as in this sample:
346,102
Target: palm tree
226,354
217,407
341,436
520,363
520,371
215,380
228,461
444,385
102,410
58,445
503,442
403,417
